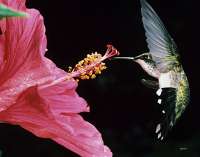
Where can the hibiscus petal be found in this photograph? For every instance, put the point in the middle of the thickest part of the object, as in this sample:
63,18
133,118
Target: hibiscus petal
49,112
62,98
32,112
22,61
23,41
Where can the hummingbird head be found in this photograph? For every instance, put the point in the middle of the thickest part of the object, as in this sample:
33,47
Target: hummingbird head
144,57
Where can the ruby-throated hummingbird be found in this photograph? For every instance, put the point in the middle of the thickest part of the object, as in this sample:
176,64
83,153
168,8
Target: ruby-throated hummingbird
162,62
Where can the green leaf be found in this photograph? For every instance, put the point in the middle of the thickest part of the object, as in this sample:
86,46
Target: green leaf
9,12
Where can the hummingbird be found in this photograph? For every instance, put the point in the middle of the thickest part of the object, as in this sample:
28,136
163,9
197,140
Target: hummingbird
162,62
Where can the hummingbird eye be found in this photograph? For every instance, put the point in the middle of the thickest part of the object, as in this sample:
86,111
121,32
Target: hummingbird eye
146,57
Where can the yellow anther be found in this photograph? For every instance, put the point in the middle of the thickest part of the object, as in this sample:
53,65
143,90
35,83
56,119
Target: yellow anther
93,76
97,70
103,68
86,77
90,73
82,77
70,69
90,66
81,62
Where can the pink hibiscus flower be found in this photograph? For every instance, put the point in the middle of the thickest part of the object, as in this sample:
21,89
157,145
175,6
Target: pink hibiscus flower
37,95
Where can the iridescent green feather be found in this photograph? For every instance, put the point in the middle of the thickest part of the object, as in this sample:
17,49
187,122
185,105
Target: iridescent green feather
182,96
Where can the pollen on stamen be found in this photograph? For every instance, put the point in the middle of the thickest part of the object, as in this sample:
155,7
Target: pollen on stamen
89,67
92,65
70,69
91,74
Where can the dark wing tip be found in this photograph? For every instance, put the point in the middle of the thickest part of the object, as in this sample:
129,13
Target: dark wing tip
167,105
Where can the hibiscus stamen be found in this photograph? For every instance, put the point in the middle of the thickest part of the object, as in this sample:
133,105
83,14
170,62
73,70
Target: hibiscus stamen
87,68
93,64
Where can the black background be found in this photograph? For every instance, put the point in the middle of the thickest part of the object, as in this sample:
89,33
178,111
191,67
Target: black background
122,109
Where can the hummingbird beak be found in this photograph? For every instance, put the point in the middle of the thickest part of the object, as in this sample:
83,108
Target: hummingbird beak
123,58
131,58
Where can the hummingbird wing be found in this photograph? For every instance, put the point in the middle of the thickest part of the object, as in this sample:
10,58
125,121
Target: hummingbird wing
150,83
161,45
